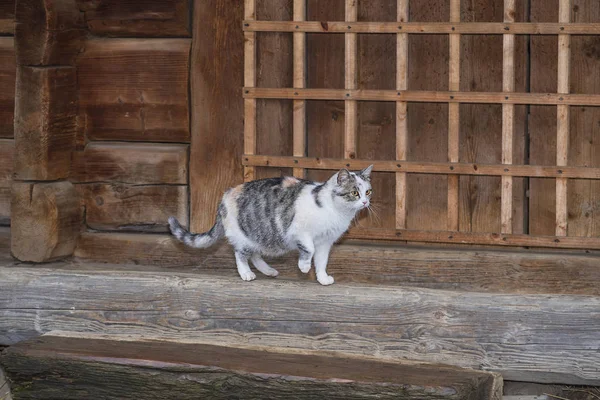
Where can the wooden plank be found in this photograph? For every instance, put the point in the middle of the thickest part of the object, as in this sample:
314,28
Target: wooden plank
8,77
4,387
425,96
7,17
151,368
509,334
135,89
426,167
508,114
133,208
45,122
401,112
46,219
140,163
249,81
299,116
350,82
7,149
154,18
453,118
217,139
48,32
362,262
425,28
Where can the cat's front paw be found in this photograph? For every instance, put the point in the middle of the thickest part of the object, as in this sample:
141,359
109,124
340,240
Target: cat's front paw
248,276
325,279
304,266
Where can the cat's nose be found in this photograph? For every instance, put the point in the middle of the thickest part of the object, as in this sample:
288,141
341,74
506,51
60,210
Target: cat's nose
364,202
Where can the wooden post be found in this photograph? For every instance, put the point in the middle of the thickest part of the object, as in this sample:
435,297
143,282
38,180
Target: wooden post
562,118
453,118
299,128
508,112
249,81
401,113
350,83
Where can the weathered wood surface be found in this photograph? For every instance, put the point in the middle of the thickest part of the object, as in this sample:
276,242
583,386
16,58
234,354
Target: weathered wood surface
151,369
4,387
8,76
7,17
137,18
135,89
46,218
536,338
217,109
139,163
133,207
5,257
45,122
48,32
7,149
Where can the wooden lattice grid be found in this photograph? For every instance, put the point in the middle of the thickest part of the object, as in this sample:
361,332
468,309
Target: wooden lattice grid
561,172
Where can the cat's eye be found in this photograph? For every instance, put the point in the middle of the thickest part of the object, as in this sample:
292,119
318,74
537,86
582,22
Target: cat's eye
355,193
368,192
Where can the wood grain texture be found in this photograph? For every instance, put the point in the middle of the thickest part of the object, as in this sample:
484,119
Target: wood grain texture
45,220
299,75
249,81
150,368
135,18
133,207
509,334
7,17
45,122
135,89
8,76
402,13
4,386
140,163
216,78
48,32
7,150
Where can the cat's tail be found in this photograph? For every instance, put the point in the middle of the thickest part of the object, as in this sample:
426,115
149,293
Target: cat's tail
200,240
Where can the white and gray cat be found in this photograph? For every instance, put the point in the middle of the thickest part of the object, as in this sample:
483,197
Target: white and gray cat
270,217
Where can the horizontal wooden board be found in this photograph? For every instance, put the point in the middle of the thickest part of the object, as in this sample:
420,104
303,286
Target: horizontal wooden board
7,17
135,89
535,338
137,163
8,76
150,369
382,264
133,207
7,148
137,18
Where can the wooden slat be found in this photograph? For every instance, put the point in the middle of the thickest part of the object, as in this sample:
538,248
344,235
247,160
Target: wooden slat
7,150
135,89
468,28
141,163
144,18
510,332
299,113
424,96
563,118
401,112
453,117
249,82
426,167
508,125
7,17
350,82
8,76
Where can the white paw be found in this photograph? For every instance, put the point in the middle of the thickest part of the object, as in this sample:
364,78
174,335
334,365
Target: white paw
270,272
304,266
325,279
248,276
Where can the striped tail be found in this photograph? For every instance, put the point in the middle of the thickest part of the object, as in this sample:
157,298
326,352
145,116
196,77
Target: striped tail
201,240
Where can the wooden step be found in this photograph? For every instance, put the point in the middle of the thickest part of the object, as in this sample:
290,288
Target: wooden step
52,367
536,338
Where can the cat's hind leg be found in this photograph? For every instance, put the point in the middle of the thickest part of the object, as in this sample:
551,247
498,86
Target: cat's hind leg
241,259
262,266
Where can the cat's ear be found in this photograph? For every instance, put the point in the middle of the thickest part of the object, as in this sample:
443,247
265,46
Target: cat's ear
366,173
343,176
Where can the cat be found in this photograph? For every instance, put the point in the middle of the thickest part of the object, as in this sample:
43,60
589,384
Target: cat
270,217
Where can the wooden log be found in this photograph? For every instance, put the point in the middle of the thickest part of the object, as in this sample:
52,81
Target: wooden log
46,218
48,32
359,262
141,163
153,369
7,17
536,338
6,168
45,122
135,89
8,76
154,18
133,207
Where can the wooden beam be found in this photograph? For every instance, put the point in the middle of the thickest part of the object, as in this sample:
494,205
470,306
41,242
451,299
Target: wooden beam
425,167
508,120
8,77
7,150
426,28
424,96
350,82
7,17
151,369
45,122
299,113
453,117
401,113
508,334
147,18
249,81
46,219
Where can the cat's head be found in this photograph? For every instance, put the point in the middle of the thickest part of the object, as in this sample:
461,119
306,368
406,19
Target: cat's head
352,190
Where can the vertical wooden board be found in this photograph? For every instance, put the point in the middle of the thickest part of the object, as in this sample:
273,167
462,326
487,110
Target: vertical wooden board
217,106
274,69
427,195
8,76
135,89
7,149
7,17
